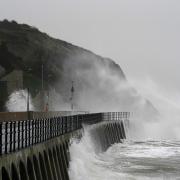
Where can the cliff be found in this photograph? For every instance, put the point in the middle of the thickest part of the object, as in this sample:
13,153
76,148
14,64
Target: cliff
99,83
35,48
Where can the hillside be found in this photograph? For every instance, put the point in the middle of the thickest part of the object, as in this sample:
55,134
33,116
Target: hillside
100,84
36,48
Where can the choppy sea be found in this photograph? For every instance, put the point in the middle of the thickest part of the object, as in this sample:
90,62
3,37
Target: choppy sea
130,160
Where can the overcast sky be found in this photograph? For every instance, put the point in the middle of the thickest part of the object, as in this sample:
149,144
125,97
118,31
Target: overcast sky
143,36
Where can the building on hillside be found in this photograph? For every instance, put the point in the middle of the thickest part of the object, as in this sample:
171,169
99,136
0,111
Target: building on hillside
14,81
9,83
3,94
17,80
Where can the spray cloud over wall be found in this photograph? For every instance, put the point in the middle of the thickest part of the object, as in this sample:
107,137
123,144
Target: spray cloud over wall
18,101
167,124
100,85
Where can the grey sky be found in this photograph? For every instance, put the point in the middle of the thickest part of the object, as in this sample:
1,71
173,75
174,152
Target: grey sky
143,36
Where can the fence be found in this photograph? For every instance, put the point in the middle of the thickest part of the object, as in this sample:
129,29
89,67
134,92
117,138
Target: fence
113,116
19,134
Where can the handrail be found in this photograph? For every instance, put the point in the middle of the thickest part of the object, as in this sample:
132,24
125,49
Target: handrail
19,116
18,134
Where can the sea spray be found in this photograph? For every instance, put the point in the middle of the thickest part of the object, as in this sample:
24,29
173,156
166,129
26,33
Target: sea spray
165,126
151,152
130,160
85,159
17,101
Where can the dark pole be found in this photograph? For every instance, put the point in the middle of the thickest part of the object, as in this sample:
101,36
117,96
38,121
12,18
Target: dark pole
72,96
42,81
28,104
42,77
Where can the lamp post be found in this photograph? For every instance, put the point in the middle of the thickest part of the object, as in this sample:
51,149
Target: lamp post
48,93
28,112
42,76
72,96
28,108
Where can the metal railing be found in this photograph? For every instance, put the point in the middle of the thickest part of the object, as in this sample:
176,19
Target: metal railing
19,134
113,116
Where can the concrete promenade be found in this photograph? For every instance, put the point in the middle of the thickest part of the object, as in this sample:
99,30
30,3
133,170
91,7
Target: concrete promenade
37,148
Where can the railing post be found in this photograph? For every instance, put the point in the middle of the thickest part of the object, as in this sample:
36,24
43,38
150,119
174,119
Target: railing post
22,134
14,136
6,137
72,123
40,130
65,123
61,125
26,123
1,145
46,129
29,131
81,121
32,135
54,127
52,124
10,137
19,135
77,118
50,120
58,126
35,134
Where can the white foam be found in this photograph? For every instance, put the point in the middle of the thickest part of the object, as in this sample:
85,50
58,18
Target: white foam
17,101
144,150
130,160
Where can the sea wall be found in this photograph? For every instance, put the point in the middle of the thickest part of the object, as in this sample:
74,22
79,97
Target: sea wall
50,160
42,153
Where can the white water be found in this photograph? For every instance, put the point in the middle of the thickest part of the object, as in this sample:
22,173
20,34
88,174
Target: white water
164,127
151,152
17,101
131,160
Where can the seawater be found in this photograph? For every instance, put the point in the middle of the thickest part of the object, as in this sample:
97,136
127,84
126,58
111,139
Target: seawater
130,160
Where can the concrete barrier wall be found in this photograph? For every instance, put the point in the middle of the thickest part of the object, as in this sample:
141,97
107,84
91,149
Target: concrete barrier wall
44,161
50,160
107,133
